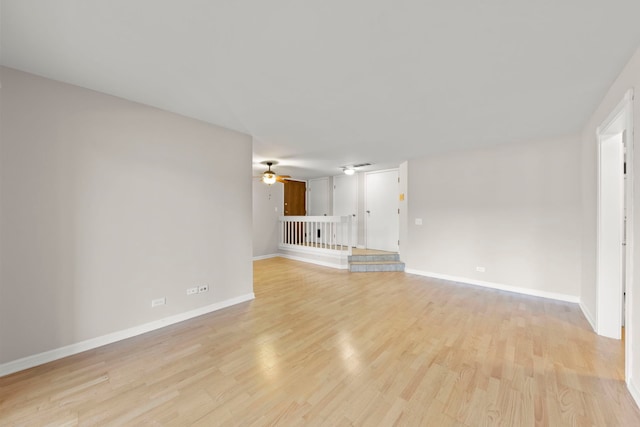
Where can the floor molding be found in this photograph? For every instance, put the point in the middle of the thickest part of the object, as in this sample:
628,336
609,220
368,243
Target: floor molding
499,286
259,257
587,314
635,392
69,350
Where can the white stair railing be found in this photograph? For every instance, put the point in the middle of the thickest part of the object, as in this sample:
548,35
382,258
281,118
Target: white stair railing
317,233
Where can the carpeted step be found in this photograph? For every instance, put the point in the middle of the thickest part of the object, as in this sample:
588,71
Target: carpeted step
375,266
374,258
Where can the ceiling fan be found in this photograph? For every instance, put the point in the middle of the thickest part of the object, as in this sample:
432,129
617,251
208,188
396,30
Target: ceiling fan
270,177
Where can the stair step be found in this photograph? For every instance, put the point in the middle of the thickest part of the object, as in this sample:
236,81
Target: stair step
375,266
374,258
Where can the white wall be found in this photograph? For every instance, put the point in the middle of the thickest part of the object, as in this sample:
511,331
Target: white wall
512,209
628,78
107,204
268,201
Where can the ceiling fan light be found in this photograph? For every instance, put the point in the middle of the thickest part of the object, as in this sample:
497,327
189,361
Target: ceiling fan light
269,178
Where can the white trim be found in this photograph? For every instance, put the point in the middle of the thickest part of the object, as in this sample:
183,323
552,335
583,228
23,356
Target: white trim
259,257
630,248
634,391
621,119
361,247
69,350
587,314
499,286
313,261
311,250
313,218
627,100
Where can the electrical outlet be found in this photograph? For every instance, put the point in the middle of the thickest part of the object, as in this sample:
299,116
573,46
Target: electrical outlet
480,269
158,301
191,291
203,288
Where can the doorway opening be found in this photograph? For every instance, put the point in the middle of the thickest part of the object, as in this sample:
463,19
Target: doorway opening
345,202
318,203
614,272
295,202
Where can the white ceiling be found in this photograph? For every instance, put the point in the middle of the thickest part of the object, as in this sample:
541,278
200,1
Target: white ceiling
325,83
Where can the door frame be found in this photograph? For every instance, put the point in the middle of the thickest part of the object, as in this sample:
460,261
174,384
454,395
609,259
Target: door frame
366,216
610,225
620,120
354,216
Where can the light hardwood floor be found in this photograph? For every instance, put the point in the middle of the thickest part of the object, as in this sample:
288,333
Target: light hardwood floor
326,347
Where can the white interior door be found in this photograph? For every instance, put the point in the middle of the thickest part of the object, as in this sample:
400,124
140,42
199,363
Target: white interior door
345,203
382,218
610,236
318,197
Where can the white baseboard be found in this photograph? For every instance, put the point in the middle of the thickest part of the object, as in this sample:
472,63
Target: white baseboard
635,391
588,316
69,350
499,286
258,258
314,261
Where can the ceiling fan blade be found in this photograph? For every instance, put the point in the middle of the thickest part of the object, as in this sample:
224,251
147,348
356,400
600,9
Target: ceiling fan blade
281,178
